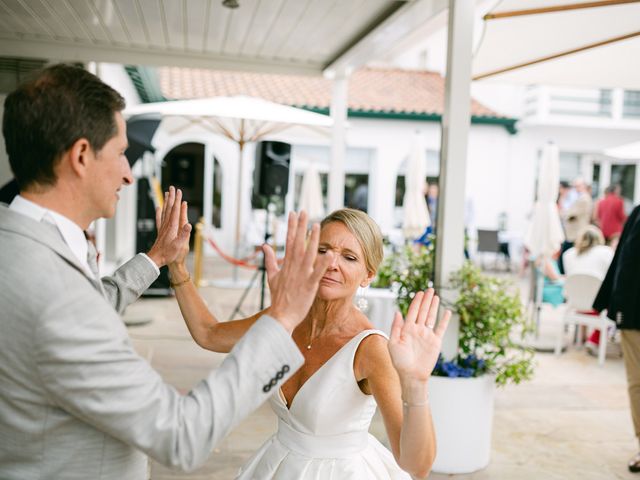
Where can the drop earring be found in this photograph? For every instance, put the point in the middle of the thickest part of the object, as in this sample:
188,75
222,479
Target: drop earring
362,303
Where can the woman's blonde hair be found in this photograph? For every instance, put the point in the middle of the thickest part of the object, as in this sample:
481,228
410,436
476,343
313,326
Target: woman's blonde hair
589,237
366,232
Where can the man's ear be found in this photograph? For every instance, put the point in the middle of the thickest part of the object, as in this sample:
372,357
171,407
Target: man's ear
78,156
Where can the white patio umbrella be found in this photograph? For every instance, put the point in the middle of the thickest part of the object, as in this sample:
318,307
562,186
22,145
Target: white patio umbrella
545,234
628,151
311,194
242,119
560,42
415,218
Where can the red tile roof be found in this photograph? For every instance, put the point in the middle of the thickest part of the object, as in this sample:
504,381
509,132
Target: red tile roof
370,89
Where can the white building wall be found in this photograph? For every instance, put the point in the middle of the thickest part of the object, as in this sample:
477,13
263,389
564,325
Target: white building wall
117,78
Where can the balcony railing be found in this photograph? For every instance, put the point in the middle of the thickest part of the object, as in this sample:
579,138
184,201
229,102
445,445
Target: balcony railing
631,104
542,101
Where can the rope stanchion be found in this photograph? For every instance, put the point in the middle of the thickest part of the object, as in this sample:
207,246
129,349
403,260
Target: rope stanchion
197,253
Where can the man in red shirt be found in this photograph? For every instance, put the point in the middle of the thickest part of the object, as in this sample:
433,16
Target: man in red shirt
611,216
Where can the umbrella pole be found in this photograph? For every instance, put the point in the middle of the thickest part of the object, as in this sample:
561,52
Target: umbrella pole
236,248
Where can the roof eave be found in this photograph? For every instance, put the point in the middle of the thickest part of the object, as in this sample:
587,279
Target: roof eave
508,123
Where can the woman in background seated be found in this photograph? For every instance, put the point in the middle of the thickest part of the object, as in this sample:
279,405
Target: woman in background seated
589,255
592,257
552,289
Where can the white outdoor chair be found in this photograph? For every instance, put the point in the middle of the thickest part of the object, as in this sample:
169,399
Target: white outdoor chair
580,290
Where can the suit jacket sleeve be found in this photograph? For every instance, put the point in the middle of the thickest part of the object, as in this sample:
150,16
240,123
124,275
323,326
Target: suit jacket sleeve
128,282
92,372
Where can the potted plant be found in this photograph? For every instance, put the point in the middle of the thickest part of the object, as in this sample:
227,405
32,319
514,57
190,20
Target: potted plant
462,388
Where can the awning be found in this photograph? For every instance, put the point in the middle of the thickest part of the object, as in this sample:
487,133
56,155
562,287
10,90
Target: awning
561,42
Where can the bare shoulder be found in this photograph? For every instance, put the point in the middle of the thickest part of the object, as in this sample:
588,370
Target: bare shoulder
372,355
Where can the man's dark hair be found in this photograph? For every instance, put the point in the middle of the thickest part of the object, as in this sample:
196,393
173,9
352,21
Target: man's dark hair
47,114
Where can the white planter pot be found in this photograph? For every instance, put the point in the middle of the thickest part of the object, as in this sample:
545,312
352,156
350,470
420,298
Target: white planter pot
462,410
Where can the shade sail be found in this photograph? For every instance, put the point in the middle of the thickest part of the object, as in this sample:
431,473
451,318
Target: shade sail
515,40
629,151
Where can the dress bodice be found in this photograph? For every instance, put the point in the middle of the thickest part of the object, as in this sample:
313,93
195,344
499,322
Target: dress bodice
324,435
330,402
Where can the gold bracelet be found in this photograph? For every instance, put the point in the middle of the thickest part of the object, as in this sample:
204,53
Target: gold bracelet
179,284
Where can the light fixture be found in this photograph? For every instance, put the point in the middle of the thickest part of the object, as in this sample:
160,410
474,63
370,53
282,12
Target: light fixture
230,3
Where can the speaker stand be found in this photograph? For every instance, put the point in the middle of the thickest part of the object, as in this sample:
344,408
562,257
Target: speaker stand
261,271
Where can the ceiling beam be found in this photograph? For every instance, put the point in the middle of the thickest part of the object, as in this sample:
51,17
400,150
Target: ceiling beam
77,52
393,26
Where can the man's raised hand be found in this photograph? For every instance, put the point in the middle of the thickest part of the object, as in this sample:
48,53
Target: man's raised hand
294,285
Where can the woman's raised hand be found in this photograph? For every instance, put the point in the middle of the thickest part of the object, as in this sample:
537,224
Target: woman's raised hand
172,242
415,342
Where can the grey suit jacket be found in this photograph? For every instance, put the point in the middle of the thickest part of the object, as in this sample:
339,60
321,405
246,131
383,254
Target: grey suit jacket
76,401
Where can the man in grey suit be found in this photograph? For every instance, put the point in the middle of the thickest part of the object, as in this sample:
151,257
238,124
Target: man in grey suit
76,401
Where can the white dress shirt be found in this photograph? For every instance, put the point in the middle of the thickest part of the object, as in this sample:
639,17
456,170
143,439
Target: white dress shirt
72,234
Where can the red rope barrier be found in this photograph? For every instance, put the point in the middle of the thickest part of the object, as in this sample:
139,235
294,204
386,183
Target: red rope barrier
228,258
243,262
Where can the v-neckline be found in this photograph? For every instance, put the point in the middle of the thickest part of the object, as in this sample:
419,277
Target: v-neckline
289,404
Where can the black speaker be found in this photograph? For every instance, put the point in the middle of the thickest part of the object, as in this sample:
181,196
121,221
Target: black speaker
271,174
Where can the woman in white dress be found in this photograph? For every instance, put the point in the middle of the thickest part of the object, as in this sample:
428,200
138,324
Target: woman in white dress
325,409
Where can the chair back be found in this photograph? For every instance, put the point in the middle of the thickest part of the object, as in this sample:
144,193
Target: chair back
488,241
580,290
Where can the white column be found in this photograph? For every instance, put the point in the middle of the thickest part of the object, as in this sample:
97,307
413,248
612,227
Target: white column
453,155
605,174
338,141
617,103
207,207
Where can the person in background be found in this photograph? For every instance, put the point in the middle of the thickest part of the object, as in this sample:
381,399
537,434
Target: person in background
619,294
592,257
589,254
553,286
610,216
575,218
432,203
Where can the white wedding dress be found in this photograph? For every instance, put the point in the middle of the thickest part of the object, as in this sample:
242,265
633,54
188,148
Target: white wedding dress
324,435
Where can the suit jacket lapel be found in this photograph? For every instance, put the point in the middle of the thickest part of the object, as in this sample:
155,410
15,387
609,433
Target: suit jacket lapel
46,234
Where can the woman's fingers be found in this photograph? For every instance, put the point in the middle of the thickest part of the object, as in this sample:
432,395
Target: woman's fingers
412,313
427,301
433,312
443,324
